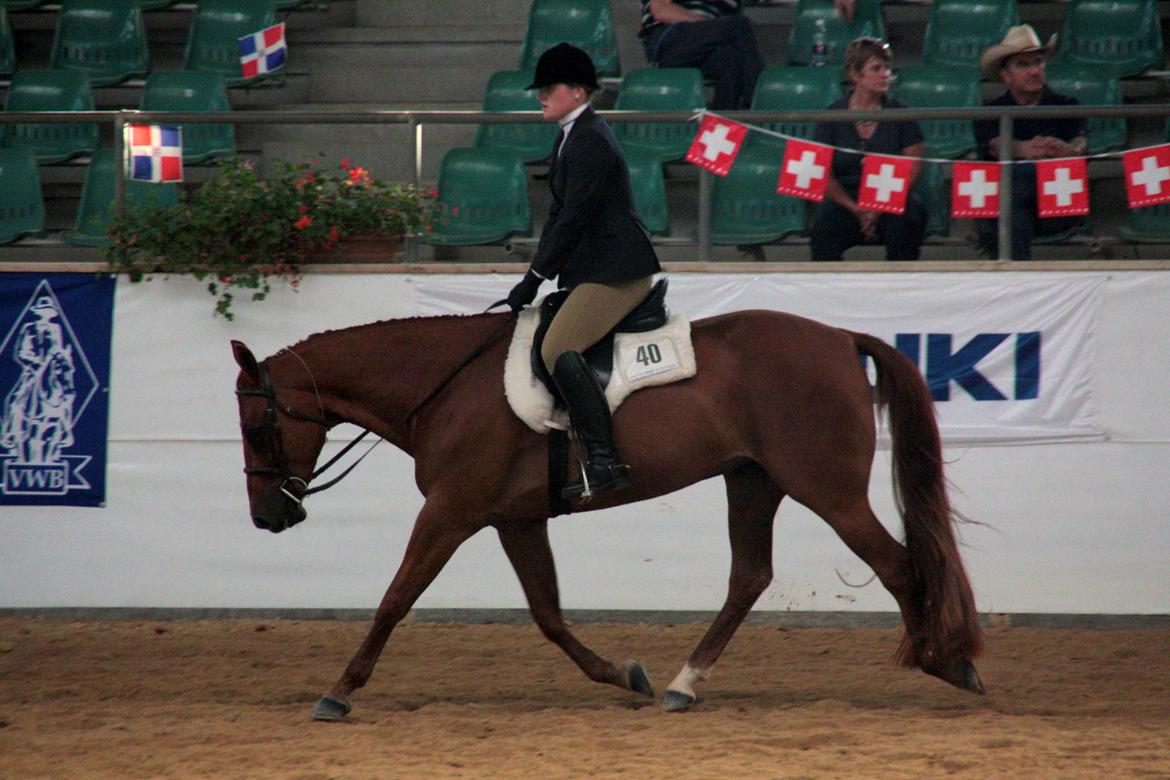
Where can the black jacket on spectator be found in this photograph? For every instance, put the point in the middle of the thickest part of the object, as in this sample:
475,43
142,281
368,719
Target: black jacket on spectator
1027,129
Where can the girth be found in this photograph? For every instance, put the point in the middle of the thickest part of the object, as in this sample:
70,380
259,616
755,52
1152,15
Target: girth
651,313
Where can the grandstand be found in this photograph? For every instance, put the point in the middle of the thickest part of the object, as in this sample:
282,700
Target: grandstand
384,54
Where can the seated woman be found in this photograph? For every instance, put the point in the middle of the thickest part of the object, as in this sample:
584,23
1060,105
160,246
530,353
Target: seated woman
839,223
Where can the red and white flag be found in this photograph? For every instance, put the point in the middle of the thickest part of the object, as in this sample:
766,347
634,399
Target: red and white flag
885,183
975,190
1062,187
716,144
805,170
1147,176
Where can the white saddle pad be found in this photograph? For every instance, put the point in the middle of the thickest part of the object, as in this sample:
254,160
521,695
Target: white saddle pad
657,357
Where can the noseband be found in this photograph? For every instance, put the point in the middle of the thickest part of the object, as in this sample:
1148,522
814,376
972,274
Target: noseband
275,440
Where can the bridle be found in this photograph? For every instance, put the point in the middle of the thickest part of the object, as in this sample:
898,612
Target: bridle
274,439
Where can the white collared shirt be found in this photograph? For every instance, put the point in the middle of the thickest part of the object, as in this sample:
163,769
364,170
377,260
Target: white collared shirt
567,122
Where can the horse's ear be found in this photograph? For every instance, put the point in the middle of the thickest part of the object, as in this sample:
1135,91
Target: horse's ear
245,359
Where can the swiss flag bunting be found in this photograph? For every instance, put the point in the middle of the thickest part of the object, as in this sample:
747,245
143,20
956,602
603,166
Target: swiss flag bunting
716,144
1062,188
1147,176
975,190
885,183
805,170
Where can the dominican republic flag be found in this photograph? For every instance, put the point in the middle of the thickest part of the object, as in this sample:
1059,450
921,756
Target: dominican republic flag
975,190
716,144
885,183
154,152
1147,176
1062,188
263,52
805,170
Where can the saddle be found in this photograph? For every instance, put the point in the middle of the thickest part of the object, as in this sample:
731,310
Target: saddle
648,315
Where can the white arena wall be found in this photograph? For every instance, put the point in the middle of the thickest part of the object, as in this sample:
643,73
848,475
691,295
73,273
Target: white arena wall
1075,526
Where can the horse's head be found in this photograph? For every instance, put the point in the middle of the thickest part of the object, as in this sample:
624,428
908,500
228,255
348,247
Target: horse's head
281,443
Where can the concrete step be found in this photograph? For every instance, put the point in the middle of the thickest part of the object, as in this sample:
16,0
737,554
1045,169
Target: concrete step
399,13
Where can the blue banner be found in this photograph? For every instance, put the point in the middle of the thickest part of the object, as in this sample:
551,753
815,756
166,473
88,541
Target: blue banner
54,387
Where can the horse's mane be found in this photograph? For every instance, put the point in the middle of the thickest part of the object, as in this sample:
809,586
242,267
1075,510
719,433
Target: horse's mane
379,325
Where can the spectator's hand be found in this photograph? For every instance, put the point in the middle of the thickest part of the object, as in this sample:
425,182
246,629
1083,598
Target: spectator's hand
1055,147
1034,148
844,9
868,220
524,293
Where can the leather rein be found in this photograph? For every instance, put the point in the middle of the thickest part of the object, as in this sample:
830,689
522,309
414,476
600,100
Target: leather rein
297,489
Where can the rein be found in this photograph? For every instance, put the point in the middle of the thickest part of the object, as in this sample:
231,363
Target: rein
462,365
271,428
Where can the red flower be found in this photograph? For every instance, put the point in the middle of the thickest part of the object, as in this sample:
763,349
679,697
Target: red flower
303,222
334,233
359,175
344,161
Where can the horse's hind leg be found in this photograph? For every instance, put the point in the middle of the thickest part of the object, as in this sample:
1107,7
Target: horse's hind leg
432,543
752,499
531,556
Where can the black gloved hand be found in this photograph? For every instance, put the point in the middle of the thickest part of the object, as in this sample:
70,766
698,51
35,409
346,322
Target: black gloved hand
524,293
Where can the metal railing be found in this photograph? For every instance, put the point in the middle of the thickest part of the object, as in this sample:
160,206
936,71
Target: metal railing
417,120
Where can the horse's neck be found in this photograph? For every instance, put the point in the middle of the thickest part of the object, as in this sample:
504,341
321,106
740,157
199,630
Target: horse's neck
375,375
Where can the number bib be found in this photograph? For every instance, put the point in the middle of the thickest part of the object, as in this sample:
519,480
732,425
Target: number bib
640,359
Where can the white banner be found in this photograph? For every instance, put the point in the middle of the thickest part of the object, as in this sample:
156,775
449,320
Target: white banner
1009,357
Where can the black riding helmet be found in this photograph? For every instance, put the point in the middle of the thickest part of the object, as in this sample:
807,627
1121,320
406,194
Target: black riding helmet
564,64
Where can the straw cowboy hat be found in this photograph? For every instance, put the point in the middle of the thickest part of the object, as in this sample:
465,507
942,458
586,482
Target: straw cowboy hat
1018,40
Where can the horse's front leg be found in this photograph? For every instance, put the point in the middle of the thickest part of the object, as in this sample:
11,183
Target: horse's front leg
752,499
432,543
528,549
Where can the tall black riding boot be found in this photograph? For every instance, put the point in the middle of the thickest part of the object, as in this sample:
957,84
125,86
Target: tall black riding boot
590,416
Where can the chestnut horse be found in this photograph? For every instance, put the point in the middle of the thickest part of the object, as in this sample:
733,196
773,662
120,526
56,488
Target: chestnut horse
781,406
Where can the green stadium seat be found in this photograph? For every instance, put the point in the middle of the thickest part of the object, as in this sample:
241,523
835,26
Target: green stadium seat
22,210
935,86
867,21
103,38
7,45
793,88
587,24
97,200
483,198
933,188
1123,36
213,39
745,208
1093,86
506,92
187,90
50,90
649,188
659,89
958,31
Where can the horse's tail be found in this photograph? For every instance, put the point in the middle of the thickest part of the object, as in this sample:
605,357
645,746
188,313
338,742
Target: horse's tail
948,626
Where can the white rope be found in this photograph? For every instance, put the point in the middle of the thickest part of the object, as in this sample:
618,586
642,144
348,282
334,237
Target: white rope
938,160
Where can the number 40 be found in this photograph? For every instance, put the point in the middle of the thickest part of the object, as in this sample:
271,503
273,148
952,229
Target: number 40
648,354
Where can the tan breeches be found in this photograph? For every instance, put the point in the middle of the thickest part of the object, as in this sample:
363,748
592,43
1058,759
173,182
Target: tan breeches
590,311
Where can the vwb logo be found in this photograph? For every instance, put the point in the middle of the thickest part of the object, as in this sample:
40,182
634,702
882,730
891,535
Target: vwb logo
44,391
944,364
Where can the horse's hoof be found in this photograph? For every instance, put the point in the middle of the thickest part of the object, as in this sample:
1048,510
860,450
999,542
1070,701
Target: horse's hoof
961,674
328,709
637,680
676,701
971,680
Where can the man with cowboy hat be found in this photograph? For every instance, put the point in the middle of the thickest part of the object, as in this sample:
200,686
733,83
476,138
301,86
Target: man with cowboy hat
1018,61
